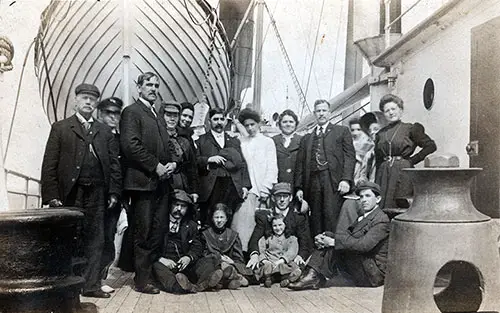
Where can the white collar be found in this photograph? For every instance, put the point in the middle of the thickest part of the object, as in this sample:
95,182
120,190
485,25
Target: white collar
82,119
217,135
284,212
146,102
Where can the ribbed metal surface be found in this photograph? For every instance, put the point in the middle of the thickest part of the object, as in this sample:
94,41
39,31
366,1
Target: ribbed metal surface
110,43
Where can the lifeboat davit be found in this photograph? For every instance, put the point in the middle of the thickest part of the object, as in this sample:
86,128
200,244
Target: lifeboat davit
109,43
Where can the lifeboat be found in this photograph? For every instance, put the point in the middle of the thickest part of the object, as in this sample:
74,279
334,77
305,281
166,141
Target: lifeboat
109,43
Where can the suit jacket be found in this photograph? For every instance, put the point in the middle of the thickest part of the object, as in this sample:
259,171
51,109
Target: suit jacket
144,144
340,155
207,147
287,157
191,244
367,242
296,224
64,154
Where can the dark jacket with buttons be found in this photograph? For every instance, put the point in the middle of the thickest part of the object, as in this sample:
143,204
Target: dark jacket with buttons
64,156
191,244
287,158
365,245
207,147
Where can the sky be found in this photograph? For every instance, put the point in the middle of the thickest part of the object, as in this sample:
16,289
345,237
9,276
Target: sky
313,33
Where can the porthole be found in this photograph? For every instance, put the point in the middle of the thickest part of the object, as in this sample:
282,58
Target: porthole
428,94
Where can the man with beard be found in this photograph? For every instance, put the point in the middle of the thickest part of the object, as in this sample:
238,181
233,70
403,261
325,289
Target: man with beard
149,165
219,182
281,194
81,169
181,261
324,169
357,255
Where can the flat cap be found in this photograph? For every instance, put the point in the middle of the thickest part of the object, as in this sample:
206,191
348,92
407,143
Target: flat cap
87,88
363,185
110,102
181,195
281,188
171,106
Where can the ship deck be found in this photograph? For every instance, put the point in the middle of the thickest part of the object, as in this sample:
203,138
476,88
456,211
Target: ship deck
253,299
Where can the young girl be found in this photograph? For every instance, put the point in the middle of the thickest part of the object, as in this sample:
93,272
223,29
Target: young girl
225,244
276,254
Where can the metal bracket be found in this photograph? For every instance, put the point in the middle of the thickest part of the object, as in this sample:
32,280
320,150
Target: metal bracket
472,148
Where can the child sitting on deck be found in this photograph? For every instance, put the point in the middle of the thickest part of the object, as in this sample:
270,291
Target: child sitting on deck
276,254
225,244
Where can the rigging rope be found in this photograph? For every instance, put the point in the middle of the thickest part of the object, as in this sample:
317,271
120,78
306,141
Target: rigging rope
336,49
17,101
314,50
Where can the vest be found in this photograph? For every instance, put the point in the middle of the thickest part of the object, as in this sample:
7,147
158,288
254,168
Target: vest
91,172
318,159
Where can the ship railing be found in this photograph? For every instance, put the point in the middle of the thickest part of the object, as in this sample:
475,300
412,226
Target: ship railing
26,197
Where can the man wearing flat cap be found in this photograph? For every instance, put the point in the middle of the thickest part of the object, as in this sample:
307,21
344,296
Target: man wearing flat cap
281,195
81,169
180,264
356,256
186,177
108,113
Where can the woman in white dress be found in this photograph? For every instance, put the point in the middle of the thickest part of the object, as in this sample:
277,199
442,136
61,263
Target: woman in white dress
259,152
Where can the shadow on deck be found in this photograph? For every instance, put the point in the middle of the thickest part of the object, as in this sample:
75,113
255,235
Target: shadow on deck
252,299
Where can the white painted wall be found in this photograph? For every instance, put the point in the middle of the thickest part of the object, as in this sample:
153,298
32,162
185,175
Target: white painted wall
446,59
19,22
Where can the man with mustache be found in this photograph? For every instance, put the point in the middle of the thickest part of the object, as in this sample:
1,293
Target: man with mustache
297,223
81,169
355,256
149,163
219,182
324,169
181,261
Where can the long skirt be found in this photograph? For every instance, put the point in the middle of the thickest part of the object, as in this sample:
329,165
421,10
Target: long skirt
394,182
244,219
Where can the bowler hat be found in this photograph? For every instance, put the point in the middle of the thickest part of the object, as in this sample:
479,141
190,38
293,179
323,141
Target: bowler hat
233,159
181,195
110,102
363,185
171,106
282,188
88,89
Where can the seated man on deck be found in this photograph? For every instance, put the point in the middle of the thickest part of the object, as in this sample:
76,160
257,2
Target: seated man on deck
356,256
181,262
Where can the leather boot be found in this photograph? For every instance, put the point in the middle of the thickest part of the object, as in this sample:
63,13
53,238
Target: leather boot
311,280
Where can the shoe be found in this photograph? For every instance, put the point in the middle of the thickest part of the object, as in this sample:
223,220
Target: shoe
311,280
185,284
268,282
96,294
243,281
149,289
284,283
230,273
234,284
211,281
294,275
107,289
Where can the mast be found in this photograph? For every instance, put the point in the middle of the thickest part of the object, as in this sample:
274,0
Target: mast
259,37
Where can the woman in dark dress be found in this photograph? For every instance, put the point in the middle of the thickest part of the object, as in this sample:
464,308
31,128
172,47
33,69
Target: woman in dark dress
287,146
395,145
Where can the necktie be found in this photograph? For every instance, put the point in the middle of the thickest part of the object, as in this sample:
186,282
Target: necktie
153,110
174,226
320,131
87,125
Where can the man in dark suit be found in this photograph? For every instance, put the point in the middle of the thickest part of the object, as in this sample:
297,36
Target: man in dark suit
356,256
108,113
297,224
181,262
324,169
148,165
81,169
219,183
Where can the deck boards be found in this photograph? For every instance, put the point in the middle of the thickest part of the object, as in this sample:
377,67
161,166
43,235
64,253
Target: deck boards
253,299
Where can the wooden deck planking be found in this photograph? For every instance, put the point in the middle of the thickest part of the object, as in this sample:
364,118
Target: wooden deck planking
253,299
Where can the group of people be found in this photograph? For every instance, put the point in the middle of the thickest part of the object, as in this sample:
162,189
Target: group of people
227,211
